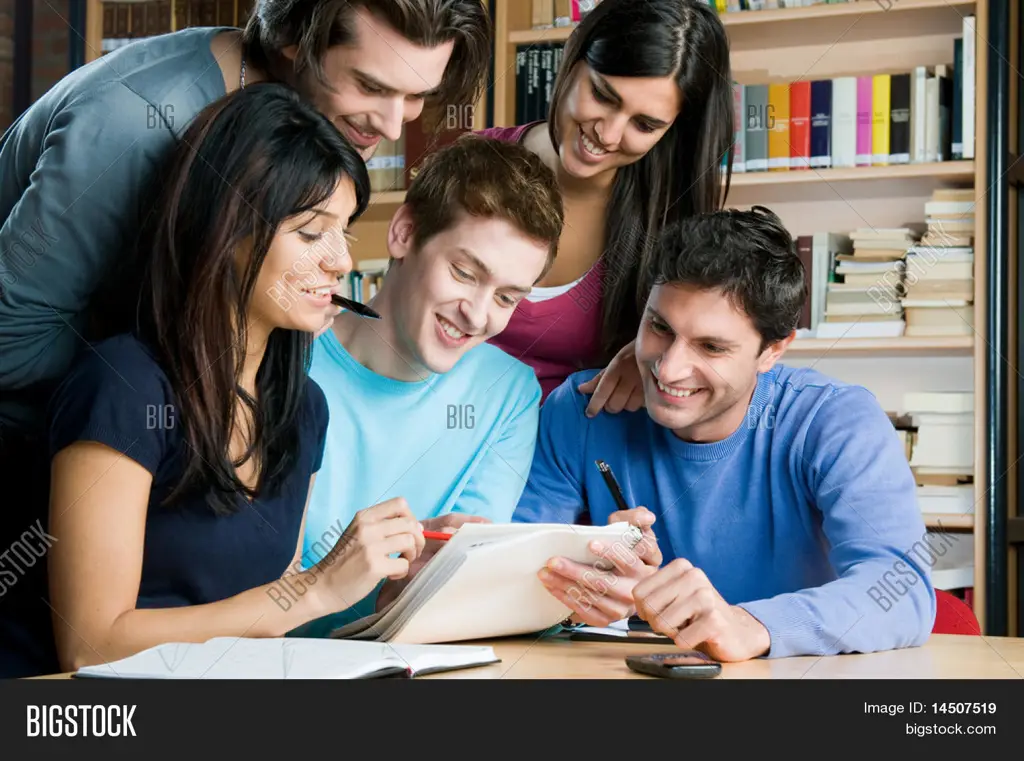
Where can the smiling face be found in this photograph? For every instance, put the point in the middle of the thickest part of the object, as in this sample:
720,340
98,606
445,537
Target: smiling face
381,80
609,122
699,357
307,257
460,288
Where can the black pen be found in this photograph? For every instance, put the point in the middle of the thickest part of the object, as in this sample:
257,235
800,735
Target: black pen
354,306
613,485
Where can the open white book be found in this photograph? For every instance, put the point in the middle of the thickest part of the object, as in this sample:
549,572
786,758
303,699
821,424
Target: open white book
289,658
483,583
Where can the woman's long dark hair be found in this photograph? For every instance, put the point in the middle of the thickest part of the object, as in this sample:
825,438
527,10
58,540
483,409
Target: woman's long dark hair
682,174
246,163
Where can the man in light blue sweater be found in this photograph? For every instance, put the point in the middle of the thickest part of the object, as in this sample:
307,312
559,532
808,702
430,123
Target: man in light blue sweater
421,406
778,503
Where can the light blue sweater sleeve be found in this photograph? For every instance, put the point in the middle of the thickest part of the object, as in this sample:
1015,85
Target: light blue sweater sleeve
856,473
554,490
498,480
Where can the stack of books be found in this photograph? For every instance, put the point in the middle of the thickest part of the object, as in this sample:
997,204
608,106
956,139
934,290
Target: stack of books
818,254
395,163
943,445
125,22
366,278
864,299
938,298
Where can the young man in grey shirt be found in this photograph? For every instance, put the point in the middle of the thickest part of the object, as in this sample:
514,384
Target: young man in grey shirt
78,166
78,163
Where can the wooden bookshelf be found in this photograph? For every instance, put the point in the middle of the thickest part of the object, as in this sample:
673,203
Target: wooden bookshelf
824,42
765,181
938,170
949,521
905,345
765,19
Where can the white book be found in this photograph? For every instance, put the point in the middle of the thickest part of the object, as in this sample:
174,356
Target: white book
844,121
931,126
288,658
967,86
917,114
866,329
935,448
951,402
824,249
946,500
483,583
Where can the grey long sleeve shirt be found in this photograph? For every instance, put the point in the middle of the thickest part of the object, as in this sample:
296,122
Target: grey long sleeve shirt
72,169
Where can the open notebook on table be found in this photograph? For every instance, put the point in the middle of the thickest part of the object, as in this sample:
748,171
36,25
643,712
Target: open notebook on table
289,658
483,583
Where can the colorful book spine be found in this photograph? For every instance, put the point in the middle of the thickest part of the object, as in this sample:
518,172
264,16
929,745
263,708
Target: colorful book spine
880,94
821,123
800,125
864,121
899,119
957,124
739,127
846,128
756,138
778,132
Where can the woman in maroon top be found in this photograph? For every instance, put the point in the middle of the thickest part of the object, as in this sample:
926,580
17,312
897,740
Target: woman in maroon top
641,118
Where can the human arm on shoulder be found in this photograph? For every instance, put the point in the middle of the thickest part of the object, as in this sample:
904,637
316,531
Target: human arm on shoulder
69,228
856,473
618,386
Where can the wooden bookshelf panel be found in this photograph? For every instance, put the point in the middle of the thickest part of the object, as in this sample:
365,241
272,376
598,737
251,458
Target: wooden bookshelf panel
947,521
901,13
831,29
820,348
838,207
826,58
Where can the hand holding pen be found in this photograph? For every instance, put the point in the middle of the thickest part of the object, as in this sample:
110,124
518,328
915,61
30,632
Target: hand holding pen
647,549
601,593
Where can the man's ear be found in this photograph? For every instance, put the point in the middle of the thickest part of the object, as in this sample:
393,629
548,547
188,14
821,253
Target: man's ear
290,52
773,353
400,233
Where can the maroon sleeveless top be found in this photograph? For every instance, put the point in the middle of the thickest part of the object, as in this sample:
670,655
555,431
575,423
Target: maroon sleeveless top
557,336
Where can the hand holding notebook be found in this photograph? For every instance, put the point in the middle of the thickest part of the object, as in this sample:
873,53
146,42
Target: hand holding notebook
483,583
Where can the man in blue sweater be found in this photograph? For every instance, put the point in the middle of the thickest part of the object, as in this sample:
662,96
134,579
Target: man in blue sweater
421,406
779,498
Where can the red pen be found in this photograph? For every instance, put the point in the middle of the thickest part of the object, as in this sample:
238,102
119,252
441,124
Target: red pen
440,536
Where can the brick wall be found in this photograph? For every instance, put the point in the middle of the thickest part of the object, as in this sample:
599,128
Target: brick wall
6,63
51,37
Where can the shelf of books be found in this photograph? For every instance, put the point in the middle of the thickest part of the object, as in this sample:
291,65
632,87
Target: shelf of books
112,25
855,122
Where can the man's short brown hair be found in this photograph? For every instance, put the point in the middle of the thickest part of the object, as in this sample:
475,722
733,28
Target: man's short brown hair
316,25
487,178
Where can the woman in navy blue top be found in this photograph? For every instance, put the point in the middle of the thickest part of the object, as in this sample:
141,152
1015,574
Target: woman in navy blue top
183,453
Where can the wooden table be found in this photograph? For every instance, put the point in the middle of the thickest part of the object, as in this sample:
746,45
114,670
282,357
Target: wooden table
944,656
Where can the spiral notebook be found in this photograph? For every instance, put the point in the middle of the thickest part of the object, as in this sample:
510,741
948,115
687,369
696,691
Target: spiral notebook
288,658
483,583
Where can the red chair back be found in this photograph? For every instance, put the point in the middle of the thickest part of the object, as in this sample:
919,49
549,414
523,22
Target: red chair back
953,615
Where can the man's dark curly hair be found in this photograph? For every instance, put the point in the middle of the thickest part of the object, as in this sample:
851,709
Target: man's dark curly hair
749,256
